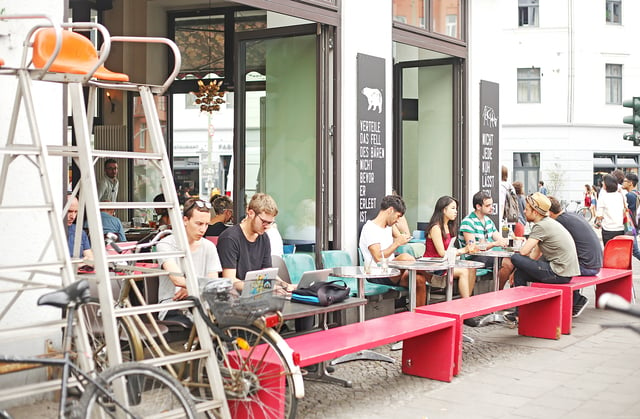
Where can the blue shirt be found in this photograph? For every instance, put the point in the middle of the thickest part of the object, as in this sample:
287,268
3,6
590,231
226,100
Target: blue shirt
111,224
84,244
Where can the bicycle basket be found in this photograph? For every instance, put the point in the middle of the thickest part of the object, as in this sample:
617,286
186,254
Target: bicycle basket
233,310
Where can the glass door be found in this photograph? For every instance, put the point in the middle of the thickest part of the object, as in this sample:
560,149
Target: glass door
276,136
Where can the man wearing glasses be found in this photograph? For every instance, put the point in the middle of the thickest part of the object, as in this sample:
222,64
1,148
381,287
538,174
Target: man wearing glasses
108,188
196,217
244,247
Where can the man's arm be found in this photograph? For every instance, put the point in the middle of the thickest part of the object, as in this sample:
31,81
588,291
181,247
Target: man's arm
231,274
528,248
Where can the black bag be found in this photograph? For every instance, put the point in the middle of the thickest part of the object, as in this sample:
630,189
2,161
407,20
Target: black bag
322,293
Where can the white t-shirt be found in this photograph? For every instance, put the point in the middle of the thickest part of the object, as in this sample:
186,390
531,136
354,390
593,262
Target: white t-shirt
611,207
372,233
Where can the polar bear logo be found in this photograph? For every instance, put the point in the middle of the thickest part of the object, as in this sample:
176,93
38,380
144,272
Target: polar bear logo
374,97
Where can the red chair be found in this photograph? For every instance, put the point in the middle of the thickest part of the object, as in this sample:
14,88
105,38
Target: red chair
212,239
618,253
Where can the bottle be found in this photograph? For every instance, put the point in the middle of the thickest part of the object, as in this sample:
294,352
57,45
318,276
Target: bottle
505,231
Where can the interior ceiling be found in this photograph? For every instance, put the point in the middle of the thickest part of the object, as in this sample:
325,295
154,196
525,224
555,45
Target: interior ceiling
196,4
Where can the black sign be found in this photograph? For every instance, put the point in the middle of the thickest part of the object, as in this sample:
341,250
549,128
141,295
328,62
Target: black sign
489,143
371,137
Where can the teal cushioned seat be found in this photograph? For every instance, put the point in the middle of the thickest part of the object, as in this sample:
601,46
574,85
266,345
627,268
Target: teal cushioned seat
338,258
297,264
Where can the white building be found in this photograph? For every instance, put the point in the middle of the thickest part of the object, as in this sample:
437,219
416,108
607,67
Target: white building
564,67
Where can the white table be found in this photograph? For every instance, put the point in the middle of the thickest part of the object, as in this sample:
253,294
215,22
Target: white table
497,254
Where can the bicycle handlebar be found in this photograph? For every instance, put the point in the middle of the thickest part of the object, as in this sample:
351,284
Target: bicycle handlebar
111,237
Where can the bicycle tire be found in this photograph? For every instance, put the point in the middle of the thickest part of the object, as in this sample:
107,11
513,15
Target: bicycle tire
247,390
150,390
585,213
131,346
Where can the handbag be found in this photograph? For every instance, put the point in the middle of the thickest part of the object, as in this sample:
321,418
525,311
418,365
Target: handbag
322,293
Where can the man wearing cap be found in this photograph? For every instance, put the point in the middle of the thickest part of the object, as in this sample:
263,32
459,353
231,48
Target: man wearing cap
549,255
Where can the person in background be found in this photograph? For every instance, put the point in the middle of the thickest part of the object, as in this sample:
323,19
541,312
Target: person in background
594,202
378,241
505,189
277,246
442,229
611,205
108,187
629,184
111,223
588,247
222,208
549,255
173,286
85,245
162,213
479,229
522,221
541,188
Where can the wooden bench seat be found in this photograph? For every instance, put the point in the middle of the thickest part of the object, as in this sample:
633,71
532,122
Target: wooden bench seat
539,312
422,335
617,281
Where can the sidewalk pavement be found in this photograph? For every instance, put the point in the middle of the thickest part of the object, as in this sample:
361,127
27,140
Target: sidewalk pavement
593,373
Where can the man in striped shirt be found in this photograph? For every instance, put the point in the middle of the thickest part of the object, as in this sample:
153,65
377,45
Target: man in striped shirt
480,229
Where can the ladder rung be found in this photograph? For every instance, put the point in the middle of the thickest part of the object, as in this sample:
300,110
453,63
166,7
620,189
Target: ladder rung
11,208
72,151
130,257
133,205
32,266
27,390
18,149
39,329
176,358
208,405
151,308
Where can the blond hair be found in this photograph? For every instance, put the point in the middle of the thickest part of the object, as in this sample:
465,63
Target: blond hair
263,203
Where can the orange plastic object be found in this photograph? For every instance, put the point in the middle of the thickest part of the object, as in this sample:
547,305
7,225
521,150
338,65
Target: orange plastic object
1,62
617,252
77,55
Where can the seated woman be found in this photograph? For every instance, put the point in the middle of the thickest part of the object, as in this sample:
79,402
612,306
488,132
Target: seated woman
441,230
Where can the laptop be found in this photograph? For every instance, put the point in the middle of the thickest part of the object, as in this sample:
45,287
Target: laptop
310,277
257,282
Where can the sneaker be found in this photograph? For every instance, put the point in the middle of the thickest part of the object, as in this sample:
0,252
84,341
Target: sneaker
511,318
579,305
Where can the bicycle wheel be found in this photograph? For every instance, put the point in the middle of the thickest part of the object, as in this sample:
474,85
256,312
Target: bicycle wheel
259,382
130,344
150,392
585,213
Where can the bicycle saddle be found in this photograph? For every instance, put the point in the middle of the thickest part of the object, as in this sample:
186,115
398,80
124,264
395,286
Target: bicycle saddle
77,292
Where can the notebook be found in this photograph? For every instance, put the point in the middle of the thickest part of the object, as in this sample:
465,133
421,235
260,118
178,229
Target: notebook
256,282
309,277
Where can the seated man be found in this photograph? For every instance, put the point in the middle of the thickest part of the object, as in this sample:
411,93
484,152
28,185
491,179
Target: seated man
245,247
378,240
549,255
85,246
173,287
588,247
480,229
223,210
111,223
163,214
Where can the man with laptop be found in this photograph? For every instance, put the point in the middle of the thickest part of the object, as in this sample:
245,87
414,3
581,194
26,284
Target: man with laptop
172,287
244,247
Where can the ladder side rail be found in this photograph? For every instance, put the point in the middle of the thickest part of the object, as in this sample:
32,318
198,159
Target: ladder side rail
168,188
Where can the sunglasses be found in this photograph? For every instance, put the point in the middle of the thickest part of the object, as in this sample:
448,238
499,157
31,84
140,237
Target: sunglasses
198,203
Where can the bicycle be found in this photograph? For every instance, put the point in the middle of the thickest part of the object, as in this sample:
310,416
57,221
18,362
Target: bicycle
129,390
578,208
253,358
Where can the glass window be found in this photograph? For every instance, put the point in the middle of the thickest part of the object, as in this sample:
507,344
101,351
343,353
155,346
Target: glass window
410,12
529,85
528,12
445,15
526,169
613,84
614,11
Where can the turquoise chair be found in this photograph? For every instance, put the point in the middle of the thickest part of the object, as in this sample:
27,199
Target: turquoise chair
337,258
297,264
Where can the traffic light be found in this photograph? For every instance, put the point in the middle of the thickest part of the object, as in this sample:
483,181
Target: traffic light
634,120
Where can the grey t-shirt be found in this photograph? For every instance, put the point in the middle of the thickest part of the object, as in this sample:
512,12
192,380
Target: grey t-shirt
557,246
205,261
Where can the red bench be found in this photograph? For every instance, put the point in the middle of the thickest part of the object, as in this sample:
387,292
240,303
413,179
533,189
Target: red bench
539,312
616,276
428,347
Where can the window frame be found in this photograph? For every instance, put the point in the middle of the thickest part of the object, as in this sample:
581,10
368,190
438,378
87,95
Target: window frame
532,9
613,84
530,84
610,12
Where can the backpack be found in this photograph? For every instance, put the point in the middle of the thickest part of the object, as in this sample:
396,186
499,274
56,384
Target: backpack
511,207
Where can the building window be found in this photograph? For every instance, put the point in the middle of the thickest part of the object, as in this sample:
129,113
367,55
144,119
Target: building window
528,12
529,85
614,11
613,84
452,26
410,12
526,169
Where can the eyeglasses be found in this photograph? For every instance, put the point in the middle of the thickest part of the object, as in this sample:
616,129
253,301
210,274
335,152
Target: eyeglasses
265,222
199,203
